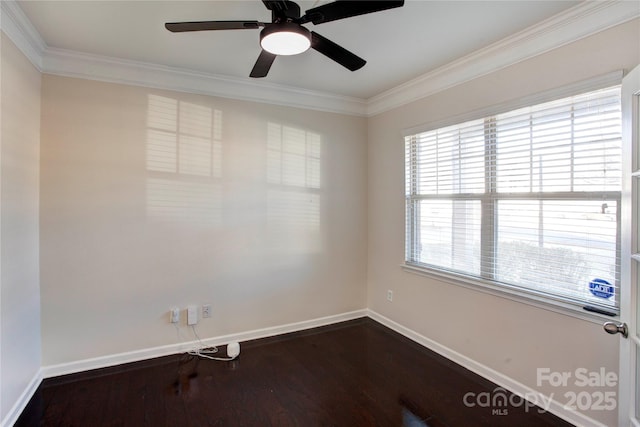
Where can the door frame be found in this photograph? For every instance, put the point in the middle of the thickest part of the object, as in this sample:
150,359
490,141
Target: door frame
630,256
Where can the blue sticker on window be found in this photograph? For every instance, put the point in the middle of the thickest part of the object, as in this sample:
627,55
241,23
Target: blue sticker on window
601,288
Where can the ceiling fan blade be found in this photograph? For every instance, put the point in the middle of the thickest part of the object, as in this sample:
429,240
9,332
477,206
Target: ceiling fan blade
341,9
336,52
179,27
263,64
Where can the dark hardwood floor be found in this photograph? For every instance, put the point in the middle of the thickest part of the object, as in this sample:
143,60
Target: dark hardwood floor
356,373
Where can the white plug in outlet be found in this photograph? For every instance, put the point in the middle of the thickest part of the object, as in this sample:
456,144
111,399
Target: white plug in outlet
174,315
390,295
192,315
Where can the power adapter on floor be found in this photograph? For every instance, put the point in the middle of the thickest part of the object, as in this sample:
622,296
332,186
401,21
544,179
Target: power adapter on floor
233,350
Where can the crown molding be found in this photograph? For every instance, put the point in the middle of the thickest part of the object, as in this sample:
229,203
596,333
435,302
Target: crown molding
578,22
15,24
581,21
115,70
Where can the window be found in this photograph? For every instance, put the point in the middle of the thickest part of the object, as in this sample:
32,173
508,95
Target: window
528,200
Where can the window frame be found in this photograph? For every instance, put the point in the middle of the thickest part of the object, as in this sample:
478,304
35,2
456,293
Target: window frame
488,201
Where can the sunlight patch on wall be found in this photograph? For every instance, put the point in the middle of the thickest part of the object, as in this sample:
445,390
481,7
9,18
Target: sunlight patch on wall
184,161
196,203
293,198
294,221
162,155
293,156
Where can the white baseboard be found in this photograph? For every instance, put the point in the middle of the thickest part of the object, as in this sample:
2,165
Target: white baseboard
15,411
149,353
484,371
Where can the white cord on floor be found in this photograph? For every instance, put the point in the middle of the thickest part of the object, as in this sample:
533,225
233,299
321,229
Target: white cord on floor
202,350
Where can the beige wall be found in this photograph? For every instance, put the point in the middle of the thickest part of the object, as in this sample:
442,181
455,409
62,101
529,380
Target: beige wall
510,337
19,274
258,210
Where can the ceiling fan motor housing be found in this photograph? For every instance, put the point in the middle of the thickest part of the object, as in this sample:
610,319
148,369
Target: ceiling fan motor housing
283,11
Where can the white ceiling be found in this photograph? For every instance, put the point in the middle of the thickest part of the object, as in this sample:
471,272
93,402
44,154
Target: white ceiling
398,44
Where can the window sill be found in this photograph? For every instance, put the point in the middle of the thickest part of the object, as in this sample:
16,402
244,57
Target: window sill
556,306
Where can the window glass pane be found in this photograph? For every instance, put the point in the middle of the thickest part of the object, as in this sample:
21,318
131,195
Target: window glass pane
597,141
449,234
533,150
451,160
571,144
558,247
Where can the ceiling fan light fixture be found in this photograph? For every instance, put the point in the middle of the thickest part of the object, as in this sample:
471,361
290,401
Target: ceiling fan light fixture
285,39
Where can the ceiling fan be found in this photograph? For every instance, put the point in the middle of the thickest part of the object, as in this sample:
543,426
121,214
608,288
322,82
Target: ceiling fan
286,35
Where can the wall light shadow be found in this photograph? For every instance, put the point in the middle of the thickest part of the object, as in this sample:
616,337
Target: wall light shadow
183,161
293,195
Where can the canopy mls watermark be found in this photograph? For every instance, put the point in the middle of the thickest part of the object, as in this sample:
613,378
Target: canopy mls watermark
588,393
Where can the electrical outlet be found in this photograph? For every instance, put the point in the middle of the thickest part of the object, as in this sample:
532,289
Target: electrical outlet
174,315
389,295
206,310
192,315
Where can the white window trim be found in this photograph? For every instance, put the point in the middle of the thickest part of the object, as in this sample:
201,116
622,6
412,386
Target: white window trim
513,293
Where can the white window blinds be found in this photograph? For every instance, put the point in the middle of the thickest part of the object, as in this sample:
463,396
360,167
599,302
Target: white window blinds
528,199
